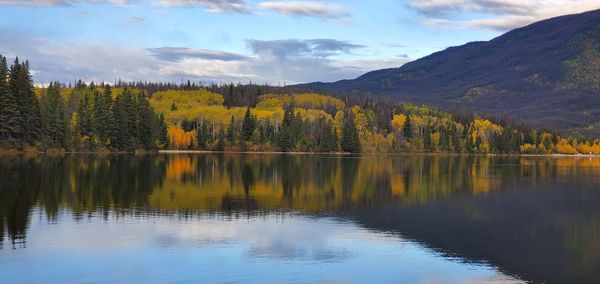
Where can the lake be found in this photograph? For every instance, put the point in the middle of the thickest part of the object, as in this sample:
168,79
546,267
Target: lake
264,218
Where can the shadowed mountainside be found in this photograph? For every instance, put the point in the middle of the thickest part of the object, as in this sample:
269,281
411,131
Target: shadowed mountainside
546,74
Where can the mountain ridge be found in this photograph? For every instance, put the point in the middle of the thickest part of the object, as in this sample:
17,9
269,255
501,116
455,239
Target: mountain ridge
546,74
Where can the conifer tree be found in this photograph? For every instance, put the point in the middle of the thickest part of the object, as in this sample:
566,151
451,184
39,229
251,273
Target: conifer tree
203,135
144,122
285,132
54,120
231,131
21,86
163,137
248,125
407,128
85,121
221,140
350,141
10,117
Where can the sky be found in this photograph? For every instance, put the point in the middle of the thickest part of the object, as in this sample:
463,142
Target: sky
272,41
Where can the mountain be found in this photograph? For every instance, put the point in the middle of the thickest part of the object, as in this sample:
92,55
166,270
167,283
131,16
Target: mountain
546,74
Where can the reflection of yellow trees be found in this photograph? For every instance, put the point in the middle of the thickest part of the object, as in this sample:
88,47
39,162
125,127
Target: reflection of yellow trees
321,183
179,166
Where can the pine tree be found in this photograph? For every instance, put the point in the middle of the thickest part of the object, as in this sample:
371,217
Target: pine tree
203,135
21,86
231,131
285,132
221,140
350,140
85,121
427,143
163,137
327,141
10,116
54,120
407,128
103,116
248,125
131,112
144,122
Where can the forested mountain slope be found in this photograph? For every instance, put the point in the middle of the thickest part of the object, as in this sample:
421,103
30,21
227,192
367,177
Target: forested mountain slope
546,74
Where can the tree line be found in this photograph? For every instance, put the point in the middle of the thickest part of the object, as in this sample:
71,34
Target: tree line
100,121
228,117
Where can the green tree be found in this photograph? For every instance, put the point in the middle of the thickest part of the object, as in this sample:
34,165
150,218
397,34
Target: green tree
145,116
203,135
221,140
407,128
10,116
350,140
248,125
231,131
21,86
54,119
285,131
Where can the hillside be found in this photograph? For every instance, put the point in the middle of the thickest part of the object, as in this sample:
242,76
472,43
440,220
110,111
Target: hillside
546,74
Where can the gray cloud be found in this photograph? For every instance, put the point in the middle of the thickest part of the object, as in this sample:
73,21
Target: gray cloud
179,53
212,6
274,62
305,9
500,15
319,48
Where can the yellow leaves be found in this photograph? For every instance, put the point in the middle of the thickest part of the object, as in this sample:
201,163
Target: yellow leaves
563,147
528,149
435,139
303,100
190,105
180,139
312,100
398,121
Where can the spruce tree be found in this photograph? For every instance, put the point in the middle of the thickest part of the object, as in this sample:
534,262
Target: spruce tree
407,128
221,140
144,122
203,135
10,116
231,131
350,141
85,121
54,120
286,143
163,137
21,86
248,125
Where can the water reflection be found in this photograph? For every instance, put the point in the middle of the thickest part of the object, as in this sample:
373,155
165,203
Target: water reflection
536,218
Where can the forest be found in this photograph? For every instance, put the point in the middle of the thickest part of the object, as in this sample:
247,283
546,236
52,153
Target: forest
125,117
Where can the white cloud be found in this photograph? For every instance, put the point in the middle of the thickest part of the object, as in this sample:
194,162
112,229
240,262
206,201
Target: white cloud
212,6
499,15
305,8
52,3
284,61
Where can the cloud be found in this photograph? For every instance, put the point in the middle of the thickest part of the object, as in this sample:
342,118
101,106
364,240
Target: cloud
305,9
275,62
501,15
296,48
179,53
53,3
134,20
212,6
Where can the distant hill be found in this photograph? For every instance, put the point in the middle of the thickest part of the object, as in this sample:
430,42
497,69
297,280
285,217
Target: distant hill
546,74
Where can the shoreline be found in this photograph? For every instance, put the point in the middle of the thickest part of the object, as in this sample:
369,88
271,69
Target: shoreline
54,152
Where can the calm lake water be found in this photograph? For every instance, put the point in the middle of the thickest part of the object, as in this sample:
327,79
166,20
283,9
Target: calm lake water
267,218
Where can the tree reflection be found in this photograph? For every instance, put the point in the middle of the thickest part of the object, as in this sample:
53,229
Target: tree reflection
470,205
